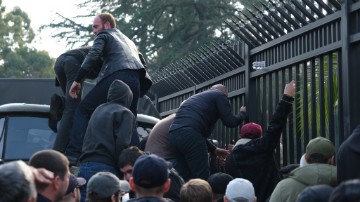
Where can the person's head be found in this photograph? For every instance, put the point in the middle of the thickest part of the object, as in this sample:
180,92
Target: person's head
240,190
150,176
57,163
347,191
127,160
320,150
73,193
17,182
251,131
316,193
106,187
220,88
218,183
102,22
196,190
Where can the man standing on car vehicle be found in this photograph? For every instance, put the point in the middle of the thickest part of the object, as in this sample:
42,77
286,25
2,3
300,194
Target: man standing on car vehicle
121,61
66,67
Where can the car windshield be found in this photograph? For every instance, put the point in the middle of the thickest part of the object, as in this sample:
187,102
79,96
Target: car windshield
27,135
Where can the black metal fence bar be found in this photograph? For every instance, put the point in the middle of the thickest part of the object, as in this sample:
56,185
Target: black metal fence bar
318,46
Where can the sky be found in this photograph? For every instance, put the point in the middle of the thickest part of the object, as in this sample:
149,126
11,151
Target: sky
42,12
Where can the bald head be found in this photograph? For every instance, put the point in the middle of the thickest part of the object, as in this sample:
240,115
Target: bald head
221,88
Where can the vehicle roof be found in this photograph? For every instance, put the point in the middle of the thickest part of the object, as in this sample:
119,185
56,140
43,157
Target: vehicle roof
24,107
43,108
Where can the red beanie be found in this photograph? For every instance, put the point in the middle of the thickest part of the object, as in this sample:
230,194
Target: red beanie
251,130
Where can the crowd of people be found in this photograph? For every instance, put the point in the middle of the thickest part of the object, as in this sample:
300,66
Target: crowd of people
97,134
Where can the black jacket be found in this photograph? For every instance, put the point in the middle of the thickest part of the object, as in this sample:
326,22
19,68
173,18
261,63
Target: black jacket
348,157
117,51
255,160
110,127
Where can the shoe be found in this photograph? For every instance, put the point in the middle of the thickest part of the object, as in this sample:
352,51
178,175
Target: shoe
56,107
53,125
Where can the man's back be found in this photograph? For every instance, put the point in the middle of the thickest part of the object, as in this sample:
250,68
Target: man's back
253,157
300,178
201,111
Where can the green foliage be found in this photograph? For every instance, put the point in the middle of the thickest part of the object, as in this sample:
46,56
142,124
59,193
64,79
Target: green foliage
17,60
164,30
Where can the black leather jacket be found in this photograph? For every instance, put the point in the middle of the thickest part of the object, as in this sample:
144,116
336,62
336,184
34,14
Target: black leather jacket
117,51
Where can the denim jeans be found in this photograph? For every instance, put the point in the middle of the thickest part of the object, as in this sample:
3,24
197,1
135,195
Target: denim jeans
88,169
96,97
66,68
190,152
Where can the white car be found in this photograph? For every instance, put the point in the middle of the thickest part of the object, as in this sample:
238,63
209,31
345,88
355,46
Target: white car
24,130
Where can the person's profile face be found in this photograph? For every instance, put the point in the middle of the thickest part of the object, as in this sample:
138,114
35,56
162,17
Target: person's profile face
97,26
127,171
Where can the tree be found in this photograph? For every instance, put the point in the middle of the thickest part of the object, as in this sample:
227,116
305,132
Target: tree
164,30
17,59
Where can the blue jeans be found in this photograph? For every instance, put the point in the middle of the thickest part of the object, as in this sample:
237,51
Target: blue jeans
66,68
190,152
88,169
96,97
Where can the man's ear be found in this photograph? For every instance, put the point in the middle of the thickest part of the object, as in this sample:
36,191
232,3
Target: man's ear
331,161
107,25
167,185
56,183
132,184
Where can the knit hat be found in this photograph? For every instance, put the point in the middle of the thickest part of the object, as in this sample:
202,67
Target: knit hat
240,188
251,130
219,181
320,145
104,184
150,171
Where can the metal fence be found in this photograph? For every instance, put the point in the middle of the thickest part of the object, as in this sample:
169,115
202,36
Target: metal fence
315,42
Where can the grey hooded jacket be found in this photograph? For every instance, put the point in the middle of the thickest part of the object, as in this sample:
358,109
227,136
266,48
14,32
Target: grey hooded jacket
110,127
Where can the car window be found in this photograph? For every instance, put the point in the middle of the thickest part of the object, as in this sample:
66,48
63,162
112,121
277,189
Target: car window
27,135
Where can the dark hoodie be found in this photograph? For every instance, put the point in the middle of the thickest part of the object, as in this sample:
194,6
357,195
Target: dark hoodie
348,157
110,127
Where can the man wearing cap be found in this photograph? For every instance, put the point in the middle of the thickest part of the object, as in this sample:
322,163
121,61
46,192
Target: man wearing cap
240,189
192,126
319,156
106,187
150,179
73,193
252,157
127,161
218,182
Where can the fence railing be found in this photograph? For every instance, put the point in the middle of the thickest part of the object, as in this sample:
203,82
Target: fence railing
315,42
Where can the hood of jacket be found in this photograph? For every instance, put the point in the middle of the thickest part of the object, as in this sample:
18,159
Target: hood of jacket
314,174
120,93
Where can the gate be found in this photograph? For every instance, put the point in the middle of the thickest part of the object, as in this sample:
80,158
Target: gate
315,42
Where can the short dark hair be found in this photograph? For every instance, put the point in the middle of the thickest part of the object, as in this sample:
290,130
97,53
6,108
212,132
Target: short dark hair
129,155
317,158
91,197
51,160
107,17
